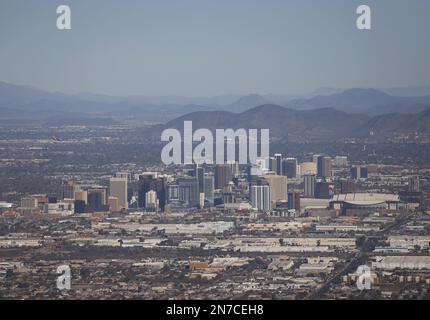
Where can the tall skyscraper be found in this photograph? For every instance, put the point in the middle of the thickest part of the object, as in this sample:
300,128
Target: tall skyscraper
151,200
278,161
80,206
68,190
355,172
309,181
272,164
359,172
118,188
103,193
324,167
113,203
189,193
278,187
201,178
81,195
209,186
260,197
223,175
172,192
289,167
152,181
294,201
323,190
95,200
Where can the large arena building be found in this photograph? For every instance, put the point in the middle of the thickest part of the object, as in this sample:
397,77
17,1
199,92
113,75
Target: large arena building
365,203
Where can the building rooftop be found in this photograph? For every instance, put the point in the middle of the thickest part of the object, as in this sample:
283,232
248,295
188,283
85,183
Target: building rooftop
366,198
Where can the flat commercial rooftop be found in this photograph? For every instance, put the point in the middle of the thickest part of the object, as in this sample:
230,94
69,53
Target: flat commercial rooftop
366,198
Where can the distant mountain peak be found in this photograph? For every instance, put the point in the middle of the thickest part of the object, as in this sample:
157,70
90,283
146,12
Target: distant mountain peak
363,92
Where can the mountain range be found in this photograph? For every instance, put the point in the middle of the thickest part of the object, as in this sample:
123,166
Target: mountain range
286,124
365,101
27,105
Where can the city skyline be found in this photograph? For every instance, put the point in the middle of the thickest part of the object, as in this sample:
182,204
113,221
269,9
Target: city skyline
241,151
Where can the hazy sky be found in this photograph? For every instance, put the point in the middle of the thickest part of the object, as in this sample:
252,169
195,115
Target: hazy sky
210,47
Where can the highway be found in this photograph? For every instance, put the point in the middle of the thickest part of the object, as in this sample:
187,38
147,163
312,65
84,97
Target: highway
360,257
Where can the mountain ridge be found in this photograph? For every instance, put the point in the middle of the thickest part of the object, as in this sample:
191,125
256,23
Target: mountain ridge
304,125
19,103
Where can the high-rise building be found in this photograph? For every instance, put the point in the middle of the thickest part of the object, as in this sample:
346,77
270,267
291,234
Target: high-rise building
315,158
324,168
113,203
355,172
289,167
294,201
172,192
359,172
278,187
118,188
209,186
309,181
278,162
260,197
308,168
189,194
151,181
81,195
323,190
68,190
202,200
364,173
272,164
223,175
80,206
201,178
95,198
103,193
151,200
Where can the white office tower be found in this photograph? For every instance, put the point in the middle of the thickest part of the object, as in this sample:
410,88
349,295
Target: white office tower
151,200
202,199
261,198
299,171
309,181
118,188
